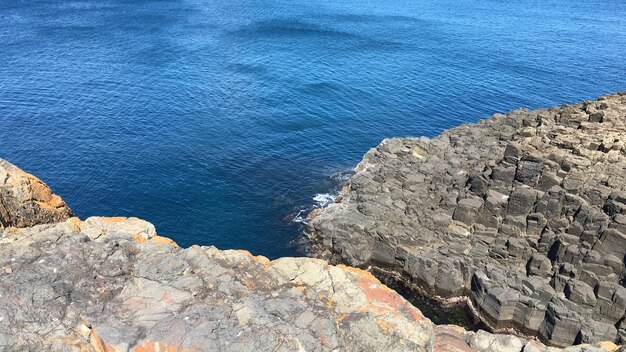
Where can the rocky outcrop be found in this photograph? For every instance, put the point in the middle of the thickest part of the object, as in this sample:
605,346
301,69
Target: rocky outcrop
112,284
27,201
524,213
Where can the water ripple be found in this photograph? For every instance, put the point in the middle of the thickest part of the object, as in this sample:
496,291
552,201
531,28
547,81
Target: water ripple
220,121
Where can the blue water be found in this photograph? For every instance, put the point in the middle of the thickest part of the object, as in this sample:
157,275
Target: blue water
219,120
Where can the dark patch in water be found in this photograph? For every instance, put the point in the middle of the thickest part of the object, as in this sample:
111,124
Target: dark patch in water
286,27
248,68
372,18
290,28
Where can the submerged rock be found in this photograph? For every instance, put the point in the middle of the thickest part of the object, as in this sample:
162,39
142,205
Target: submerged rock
524,213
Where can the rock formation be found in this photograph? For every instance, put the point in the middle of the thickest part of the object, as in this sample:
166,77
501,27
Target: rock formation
113,284
523,213
26,201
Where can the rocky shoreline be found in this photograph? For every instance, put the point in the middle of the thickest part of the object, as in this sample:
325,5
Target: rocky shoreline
523,214
113,284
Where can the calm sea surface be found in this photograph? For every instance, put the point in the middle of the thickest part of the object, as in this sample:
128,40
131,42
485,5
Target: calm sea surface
219,120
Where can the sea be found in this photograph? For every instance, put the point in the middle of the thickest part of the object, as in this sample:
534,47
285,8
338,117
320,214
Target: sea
223,122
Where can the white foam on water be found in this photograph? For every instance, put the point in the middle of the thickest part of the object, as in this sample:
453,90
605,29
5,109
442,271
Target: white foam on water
300,218
323,199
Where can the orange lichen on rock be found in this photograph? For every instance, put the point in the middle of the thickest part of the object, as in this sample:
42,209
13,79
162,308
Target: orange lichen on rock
27,201
342,317
75,223
155,239
315,213
383,298
41,193
384,326
329,301
608,345
450,339
257,258
98,345
164,240
112,220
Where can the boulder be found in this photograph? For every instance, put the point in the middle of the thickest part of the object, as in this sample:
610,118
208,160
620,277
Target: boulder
26,201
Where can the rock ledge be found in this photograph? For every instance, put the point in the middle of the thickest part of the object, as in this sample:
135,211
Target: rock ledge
524,213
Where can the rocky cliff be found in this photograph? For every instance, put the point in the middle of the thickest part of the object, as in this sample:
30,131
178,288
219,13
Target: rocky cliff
26,201
113,284
523,213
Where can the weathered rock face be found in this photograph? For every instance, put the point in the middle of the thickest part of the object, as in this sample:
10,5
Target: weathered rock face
27,201
112,284
525,213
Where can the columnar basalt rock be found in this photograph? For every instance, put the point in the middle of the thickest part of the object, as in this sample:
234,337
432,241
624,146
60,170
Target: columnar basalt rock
525,213
26,201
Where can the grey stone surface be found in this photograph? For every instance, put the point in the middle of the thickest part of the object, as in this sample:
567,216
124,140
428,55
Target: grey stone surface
523,212
112,284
